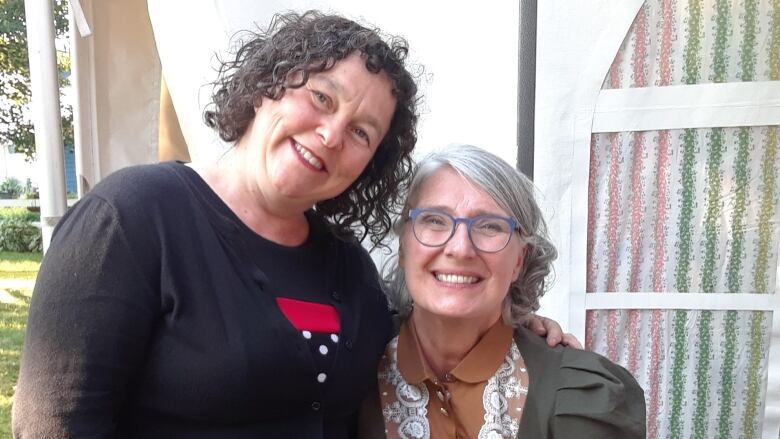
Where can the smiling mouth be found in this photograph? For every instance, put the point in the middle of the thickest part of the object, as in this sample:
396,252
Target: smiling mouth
308,157
456,278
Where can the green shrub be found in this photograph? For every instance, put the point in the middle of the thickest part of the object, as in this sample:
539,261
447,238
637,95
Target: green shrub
20,213
17,235
12,187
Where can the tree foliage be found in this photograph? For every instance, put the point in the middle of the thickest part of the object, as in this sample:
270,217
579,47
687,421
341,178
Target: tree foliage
15,125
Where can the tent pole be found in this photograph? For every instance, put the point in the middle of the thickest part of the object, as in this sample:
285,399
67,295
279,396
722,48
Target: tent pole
46,113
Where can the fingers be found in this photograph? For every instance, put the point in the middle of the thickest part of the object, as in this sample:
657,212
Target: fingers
553,340
536,325
571,341
554,331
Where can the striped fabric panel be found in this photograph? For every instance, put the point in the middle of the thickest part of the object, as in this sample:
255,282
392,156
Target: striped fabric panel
689,210
667,22
744,420
713,376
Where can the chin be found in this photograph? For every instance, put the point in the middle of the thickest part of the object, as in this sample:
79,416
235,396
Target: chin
454,313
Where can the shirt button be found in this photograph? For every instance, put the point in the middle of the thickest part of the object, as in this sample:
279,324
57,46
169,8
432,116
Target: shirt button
348,344
336,296
315,405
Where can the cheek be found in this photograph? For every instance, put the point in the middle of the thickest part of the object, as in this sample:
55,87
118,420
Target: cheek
357,160
405,251
413,259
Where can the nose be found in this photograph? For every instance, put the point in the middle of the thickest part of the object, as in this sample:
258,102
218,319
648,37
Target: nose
331,131
460,244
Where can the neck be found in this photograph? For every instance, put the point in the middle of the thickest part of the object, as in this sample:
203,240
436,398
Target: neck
445,342
230,179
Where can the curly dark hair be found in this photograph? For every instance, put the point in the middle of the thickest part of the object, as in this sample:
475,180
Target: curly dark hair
283,56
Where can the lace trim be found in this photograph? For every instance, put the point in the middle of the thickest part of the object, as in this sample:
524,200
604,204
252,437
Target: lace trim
502,396
405,412
409,411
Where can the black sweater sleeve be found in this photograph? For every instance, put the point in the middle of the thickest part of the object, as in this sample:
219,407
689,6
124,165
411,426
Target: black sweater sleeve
92,312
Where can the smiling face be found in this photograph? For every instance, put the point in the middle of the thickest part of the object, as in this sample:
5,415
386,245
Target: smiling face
315,141
457,281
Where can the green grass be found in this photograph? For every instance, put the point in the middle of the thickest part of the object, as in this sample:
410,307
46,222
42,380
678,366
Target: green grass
19,265
15,268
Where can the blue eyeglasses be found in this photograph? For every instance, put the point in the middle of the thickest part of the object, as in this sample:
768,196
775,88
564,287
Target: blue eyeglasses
488,233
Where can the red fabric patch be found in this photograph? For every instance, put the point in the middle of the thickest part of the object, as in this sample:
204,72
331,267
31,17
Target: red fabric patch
310,316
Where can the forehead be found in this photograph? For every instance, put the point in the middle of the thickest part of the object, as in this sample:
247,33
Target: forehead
447,189
350,74
355,87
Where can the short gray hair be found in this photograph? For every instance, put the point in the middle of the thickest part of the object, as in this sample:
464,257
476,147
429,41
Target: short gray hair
514,193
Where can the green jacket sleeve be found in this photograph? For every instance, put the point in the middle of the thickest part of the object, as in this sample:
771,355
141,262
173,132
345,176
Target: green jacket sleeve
577,393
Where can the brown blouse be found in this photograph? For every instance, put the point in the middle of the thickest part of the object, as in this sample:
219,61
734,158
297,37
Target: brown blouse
482,397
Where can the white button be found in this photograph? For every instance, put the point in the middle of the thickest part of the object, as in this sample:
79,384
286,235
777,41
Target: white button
322,377
334,337
306,334
323,349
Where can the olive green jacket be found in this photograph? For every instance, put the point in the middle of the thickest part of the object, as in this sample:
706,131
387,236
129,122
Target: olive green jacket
571,394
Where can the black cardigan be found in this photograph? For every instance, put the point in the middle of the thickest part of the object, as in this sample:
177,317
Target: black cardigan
149,319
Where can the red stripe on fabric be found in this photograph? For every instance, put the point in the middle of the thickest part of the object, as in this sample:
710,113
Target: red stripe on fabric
613,211
590,328
590,280
654,408
310,316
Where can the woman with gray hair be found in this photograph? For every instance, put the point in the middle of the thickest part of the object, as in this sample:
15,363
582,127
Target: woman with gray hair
462,365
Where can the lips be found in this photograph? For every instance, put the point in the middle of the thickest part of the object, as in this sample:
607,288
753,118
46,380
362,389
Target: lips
308,156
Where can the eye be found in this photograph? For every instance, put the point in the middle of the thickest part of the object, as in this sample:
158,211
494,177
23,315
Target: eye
362,134
321,98
434,220
492,226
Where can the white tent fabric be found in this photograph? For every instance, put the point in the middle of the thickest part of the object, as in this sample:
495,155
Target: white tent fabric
469,55
116,77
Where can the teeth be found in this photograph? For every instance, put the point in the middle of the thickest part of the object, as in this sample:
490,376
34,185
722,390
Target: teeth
456,278
314,161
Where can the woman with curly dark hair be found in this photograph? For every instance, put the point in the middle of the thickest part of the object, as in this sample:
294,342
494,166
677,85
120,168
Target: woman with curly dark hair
234,299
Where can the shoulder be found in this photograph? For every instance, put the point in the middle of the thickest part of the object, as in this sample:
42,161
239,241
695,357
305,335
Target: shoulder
581,393
132,201
144,196
139,185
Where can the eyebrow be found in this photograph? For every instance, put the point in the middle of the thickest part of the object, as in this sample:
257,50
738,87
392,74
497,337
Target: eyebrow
339,90
477,212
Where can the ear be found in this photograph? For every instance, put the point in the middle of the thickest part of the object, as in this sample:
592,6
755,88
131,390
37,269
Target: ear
519,264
